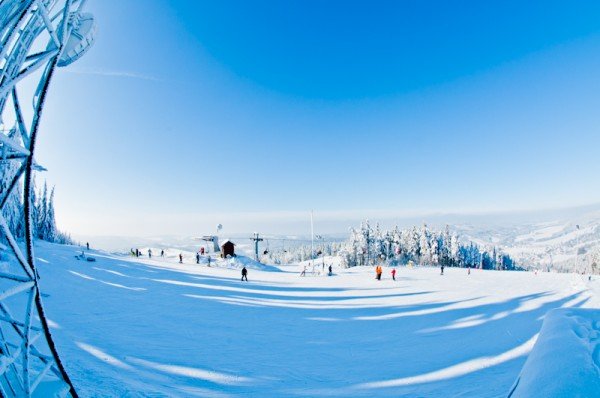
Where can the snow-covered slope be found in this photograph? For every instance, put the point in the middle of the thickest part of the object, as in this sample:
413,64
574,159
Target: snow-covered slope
141,327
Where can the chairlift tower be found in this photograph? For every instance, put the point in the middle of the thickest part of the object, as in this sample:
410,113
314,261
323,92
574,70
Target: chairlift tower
36,37
256,238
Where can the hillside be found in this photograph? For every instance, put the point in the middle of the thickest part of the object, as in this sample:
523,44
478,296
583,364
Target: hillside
560,240
157,327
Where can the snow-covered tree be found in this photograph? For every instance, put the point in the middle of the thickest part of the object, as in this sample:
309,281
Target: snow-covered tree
455,250
49,221
43,219
13,210
368,246
35,210
42,213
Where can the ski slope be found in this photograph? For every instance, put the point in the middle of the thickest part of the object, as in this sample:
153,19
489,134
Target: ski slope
140,327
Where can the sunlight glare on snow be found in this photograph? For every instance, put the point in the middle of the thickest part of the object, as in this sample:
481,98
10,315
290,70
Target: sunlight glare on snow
457,370
195,373
84,276
94,351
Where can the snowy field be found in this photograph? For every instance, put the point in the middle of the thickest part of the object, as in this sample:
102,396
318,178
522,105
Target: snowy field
140,327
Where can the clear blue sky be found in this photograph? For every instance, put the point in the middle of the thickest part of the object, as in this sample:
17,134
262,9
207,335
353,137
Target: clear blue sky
188,113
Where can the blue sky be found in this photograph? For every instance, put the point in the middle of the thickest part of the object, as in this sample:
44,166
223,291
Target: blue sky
187,113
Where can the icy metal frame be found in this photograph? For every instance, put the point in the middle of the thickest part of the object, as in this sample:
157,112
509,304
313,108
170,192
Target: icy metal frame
29,361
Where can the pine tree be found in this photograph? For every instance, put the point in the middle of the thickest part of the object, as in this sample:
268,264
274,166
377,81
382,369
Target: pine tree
425,245
434,255
50,228
35,211
455,253
42,206
413,247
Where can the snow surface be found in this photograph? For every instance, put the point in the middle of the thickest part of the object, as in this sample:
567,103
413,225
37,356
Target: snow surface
154,327
573,336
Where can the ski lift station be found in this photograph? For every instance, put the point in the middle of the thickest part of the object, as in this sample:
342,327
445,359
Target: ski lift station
228,249
214,240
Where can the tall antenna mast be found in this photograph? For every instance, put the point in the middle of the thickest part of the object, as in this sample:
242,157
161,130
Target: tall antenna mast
312,237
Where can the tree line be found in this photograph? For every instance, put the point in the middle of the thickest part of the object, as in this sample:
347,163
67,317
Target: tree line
369,246
43,219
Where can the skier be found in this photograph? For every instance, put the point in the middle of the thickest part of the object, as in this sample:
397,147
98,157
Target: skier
149,253
197,258
378,271
244,274
162,253
132,252
88,245
442,268
137,252
394,273
303,273
468,270
330,271
209,261
180,258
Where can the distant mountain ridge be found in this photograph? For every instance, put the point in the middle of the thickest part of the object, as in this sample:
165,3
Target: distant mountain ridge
535,239
562,240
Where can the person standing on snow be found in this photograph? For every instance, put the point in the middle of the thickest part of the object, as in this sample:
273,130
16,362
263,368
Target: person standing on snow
162,253
244,274
180,258
197,258
149,253
303,273
442,268
330,271
394,273
378,272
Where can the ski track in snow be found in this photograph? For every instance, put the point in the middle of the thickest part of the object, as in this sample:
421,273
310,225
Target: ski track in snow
153,327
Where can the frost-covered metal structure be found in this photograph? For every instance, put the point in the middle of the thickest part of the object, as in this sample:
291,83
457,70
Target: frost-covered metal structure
36,37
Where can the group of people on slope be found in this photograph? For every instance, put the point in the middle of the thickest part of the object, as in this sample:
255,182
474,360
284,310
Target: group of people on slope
198,256
379,272
244,270
329,269
137,253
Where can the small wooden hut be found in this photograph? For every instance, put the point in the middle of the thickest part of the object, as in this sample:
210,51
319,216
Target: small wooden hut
228,248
